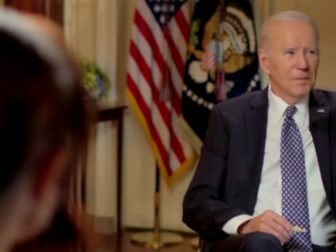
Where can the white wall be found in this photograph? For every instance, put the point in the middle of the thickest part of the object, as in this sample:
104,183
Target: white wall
91,28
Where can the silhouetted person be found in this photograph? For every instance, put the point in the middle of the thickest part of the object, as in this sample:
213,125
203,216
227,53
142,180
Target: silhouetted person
44,123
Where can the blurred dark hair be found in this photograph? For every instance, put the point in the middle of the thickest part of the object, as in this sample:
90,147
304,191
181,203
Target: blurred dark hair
43,109
38,113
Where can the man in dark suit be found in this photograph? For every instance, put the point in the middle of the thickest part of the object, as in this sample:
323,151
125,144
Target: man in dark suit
238,197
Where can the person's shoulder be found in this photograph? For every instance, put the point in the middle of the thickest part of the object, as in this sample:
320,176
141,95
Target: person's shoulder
239,103
326,97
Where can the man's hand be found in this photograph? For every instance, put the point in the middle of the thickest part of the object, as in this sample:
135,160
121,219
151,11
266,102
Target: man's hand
268,222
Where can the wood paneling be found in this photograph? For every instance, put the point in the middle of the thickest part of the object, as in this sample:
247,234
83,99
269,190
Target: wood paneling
50,8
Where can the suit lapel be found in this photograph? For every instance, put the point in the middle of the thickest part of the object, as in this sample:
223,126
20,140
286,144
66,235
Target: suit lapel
256,123
256,128
319,121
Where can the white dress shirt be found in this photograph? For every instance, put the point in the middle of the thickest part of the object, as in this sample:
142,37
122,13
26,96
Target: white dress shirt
322,224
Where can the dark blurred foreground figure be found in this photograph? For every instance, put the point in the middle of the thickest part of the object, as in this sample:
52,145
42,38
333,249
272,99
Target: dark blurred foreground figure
44,123
266,180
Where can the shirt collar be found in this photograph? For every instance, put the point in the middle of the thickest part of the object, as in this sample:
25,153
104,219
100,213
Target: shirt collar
278,106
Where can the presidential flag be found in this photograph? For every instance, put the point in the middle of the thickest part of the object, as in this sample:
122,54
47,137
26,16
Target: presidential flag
155,79
221,63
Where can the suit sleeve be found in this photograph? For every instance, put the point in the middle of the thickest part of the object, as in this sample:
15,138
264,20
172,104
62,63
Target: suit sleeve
204,206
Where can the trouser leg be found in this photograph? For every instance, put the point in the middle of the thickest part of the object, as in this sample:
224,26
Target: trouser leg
252,242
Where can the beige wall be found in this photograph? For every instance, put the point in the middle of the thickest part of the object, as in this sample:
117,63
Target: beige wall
323,12
100,30
91,28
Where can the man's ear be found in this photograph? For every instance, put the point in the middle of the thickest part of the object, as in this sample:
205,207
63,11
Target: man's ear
263,60
49,172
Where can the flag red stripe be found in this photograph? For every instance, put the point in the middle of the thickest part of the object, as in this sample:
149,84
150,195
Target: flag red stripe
176,99
183,25
147,73
147,114
152,51
177,147
176,56
145,70
147,33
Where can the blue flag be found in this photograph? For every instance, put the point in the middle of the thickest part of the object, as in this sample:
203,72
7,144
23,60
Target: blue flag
222,61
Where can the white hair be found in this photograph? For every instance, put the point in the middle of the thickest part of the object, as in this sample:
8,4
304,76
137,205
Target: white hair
289,15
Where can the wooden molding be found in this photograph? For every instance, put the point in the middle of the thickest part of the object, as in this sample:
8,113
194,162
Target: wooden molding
49,8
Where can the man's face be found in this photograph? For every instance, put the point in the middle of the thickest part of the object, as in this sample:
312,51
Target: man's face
290,57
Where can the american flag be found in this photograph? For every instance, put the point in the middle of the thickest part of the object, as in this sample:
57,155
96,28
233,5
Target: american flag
155,79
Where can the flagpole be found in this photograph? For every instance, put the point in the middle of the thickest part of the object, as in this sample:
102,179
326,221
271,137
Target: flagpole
156,239
157,204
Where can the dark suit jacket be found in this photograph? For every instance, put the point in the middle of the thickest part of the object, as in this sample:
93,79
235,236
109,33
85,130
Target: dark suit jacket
227,178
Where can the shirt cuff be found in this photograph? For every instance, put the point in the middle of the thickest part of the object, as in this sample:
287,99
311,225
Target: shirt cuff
231,227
